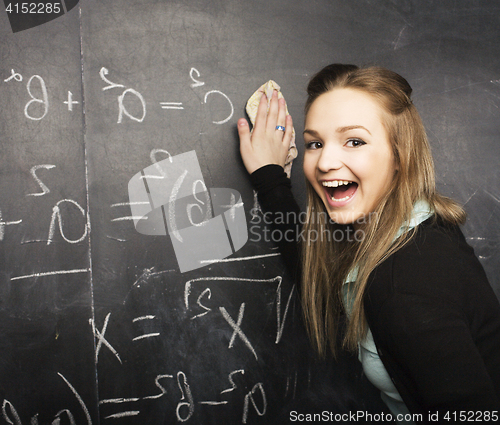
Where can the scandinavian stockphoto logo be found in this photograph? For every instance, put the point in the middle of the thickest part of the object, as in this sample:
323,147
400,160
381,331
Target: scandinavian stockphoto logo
24,14
170,198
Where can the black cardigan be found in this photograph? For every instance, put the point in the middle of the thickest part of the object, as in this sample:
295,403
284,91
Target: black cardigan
433,315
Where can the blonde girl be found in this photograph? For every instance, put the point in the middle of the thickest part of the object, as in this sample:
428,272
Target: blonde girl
421,313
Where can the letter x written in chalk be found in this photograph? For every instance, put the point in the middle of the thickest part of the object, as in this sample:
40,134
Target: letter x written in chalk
237,328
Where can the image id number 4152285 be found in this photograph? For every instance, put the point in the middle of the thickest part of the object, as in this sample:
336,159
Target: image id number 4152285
469,416
33,8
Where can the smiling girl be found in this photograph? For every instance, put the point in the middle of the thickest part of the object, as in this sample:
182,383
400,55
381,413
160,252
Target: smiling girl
420,310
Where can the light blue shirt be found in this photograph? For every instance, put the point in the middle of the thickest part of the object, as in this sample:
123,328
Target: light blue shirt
373,367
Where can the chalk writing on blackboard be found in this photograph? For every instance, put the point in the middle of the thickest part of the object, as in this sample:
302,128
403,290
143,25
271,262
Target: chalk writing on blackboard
14,75
230,105
171,105
230,378
70,223
44,188
6,223
121,107
237,328
52,273
186,394
103,72
182,207
35,100
11,416
196,83
206,293
38,106
250,397
148,335
70,102
186,404
56,217
178,383
237,259
122,110
82,403
101,340
281,320
123,414
162,389
147,274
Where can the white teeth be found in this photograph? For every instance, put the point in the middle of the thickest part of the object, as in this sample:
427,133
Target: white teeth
345,198
335,183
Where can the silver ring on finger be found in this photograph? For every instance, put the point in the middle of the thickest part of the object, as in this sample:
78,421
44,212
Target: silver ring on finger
280,127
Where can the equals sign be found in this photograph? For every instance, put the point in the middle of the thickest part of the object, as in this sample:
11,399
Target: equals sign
171,105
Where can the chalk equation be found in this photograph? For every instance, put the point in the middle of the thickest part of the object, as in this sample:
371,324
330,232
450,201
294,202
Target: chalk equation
166,196
176,386
122,110
186,405
38,105
66,216
64,224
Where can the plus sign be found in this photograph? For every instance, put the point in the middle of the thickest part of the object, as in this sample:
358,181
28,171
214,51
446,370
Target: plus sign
5,223
70,102
232,207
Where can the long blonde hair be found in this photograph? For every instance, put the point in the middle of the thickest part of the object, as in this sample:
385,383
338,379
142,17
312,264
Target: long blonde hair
326,263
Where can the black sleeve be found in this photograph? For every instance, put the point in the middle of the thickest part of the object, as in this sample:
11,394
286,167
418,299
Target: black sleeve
275,196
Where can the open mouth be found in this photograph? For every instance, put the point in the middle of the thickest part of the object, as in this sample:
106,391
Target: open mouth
340,190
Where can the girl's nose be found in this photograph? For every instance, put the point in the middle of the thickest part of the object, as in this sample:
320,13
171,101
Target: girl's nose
330,159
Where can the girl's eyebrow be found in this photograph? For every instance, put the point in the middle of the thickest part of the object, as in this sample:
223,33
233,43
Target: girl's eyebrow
314,133
352,127
311,132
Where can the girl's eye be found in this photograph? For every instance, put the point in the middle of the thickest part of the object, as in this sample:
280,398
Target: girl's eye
354,143
313,145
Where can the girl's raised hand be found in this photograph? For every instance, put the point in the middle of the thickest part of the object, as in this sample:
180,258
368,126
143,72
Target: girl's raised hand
266,144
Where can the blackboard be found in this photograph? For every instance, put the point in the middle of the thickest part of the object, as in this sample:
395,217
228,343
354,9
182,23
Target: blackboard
98,324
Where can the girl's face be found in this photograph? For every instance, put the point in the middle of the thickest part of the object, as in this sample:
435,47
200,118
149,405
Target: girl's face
348,158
